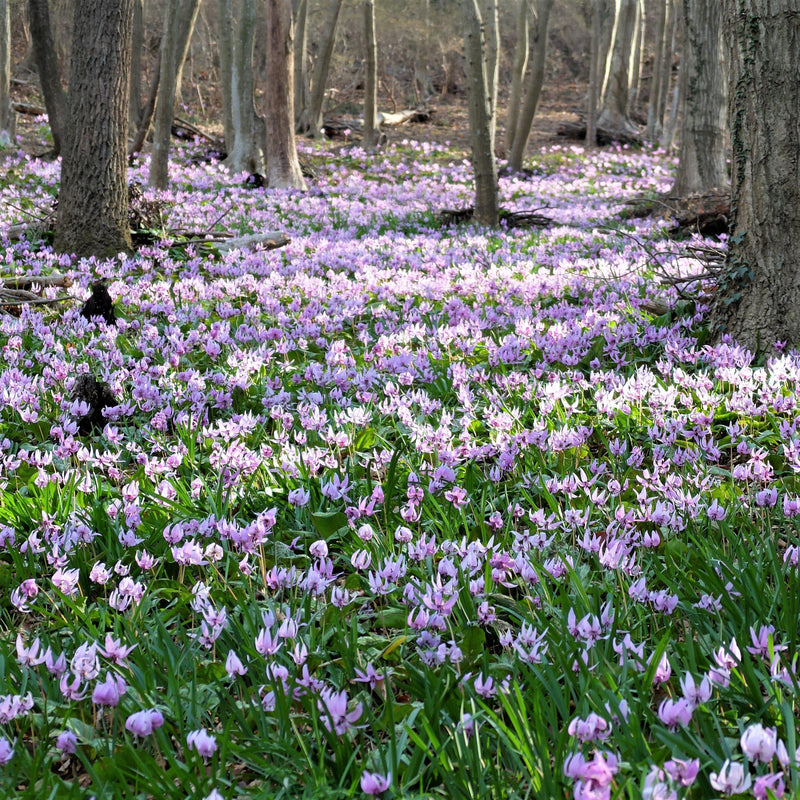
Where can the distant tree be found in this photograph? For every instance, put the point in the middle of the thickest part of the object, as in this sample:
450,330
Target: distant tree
481,126
283,167
534,90
92,216
7,114
179,20
371,80
44,51
520,64
758,299
595,80
301,87
614,111
310,121
703,150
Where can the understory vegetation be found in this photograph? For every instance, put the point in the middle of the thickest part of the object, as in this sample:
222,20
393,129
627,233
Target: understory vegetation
400,509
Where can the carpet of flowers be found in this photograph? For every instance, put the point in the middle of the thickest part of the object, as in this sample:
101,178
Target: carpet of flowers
397,510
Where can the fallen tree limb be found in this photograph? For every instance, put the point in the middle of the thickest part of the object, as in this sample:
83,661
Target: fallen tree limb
24,281
182,123
28,109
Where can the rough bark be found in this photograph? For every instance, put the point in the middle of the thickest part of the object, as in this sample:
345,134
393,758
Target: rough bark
283,166
517,74
371,80
44,50
92,217
671,119
310,122
245,132
487,211
654,122
8,116
301,87
534,90
179,21
637,49
758,300
137,44
670,33
703,149
614,113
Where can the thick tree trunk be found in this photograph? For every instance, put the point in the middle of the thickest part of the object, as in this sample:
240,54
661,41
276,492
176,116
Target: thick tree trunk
245,133
7,115
92,217
371,81
703,150
302,93
534,91
283,167
310,122
487,211
671,119
614,113
517,75
758,300
44,49
179,21
670,34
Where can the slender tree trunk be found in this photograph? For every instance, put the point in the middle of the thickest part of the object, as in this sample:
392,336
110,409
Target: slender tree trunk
179,21
703,149
608,11
758,300
44,49
666,62
311,117
534,90
614,113
635,65
7,115
671,119
491,54
146,116
654,103
517,75
487,210
92,217
422,76
371,82
301,89
137,45
283,166
594,78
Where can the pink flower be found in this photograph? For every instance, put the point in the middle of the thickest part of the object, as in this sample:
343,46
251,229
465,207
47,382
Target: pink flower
731,779
234,665
67,742
202,741
372,783
675,712
683,772
334,714
758,743
6,750
109,691
143,723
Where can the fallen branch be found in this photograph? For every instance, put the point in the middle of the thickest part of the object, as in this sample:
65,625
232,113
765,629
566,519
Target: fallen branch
26,108
270,240
20,297
24,281
182,123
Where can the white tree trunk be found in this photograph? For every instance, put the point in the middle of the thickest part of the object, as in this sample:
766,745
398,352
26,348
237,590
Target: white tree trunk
491,55
517,75
7,114
371,81
301,88
487,210
614,113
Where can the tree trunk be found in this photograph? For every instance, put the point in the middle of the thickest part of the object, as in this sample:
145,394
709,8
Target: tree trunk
534,91
614,113
594,77
637,49
758,300
301,88
671,119
283,167
423,85
371,82
666,62
517,75
703,149
310,122
245,134
491,55
137,45
654,103
92,217
44,49
179,21
7,115
487,211
608,10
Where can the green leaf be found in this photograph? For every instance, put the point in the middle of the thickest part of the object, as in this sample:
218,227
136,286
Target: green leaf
328,523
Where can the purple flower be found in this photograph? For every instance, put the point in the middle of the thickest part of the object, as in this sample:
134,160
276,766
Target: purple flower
109,692
202,741
769,786
675,712
234,665
143,723
372,783
67,742
334,713
683,772
758,743
6,750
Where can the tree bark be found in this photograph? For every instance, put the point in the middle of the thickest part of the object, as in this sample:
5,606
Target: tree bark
758,300
283,166
8,116
137,45
702,162
517,75
301,88
534,91
310,122
179,21
654,122
371,81
92,217
44,49
491,54
487,210
637,48
614,113
594,78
